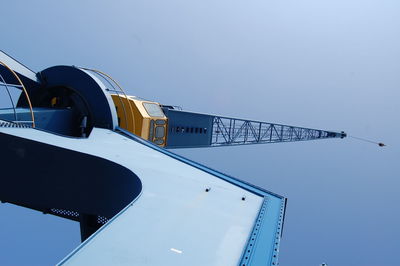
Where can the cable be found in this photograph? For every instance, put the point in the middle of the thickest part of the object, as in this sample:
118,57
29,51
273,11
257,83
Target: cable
380,144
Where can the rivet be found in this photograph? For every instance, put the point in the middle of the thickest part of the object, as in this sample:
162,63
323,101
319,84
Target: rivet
208,189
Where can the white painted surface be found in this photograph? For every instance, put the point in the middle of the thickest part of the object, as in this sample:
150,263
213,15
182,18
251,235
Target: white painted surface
174,221
17,66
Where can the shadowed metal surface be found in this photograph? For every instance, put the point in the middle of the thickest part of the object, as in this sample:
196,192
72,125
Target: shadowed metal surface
45,177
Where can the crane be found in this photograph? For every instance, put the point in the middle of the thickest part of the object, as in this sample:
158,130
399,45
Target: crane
79,147
170,127
165,125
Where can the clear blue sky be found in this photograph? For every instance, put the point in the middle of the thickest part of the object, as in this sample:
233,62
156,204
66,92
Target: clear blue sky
330,64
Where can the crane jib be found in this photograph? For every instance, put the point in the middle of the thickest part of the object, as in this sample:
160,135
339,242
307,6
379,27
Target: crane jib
190,130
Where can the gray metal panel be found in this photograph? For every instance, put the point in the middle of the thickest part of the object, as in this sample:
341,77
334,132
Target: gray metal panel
187,129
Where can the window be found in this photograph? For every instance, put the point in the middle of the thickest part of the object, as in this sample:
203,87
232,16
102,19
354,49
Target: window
153,109
160,132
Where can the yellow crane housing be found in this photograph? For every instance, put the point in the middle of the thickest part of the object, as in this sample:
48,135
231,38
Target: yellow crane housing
143,118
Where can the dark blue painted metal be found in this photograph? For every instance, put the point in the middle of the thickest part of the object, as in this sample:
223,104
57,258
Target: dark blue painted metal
42,177
81,88
186,129
60,121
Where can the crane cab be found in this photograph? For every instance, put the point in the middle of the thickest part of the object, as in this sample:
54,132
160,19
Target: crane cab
143,118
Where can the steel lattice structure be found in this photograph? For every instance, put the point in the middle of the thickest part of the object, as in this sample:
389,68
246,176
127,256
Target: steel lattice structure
232,131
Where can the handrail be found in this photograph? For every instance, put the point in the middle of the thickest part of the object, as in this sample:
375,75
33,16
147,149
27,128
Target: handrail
9,95
24,89
123,92
118,94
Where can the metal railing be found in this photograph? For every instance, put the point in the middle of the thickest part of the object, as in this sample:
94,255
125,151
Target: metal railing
117,89
3,83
